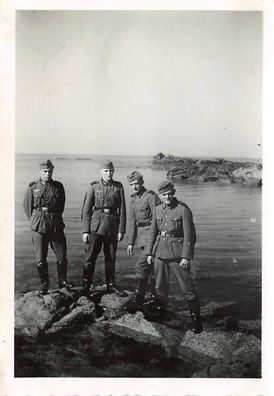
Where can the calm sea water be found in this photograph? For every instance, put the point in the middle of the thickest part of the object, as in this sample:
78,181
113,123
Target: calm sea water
227,217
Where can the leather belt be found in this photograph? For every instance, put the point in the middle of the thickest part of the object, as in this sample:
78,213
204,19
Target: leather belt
45,209
170,234
109,211
143,223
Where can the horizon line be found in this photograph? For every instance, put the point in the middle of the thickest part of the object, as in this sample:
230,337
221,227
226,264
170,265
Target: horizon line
139,155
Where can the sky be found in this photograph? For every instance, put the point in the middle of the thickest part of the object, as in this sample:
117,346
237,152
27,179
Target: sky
185,83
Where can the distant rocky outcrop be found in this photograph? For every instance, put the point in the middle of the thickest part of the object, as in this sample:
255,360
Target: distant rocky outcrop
226,347
217,170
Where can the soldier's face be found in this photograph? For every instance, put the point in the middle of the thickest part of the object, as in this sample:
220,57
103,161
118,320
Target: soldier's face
136,185
167,196
107,174
46,174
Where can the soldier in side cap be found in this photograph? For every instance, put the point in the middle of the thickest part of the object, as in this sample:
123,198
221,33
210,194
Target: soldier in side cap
142,206
171,245
103,224
44,203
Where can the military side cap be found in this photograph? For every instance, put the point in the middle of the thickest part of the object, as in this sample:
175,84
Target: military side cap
165,186
107,164
135,175
46,164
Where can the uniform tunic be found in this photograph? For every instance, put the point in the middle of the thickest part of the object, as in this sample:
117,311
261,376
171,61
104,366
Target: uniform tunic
142,206
172,237
102,195
103,216
44,205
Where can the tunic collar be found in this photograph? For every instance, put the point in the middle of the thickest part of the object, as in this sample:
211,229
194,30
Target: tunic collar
141,192
106,183
45,183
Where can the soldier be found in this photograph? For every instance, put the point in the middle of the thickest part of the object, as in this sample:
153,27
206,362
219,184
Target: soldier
44,203
142,206
171,243
104,224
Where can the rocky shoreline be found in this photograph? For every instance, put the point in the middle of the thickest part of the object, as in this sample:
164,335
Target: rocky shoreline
94,332
217,170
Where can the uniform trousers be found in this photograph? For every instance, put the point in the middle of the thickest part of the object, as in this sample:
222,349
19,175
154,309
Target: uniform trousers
109,244
162,270
142,268
57,242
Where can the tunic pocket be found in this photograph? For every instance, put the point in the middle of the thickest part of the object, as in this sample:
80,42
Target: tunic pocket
35,222
176,247
145,212
94,224
176,224
37,196
159,222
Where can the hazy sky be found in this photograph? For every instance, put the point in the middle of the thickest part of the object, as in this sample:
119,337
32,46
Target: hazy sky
139,82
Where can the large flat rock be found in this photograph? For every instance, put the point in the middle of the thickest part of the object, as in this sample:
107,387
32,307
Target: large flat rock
135,326
217,345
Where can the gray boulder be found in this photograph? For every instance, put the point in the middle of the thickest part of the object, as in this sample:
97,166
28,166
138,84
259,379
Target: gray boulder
51,313
219,345
77,316
113,301
35,313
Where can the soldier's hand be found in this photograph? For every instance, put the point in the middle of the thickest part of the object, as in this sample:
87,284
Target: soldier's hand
184,263
86,238
120,236
149,260
130,250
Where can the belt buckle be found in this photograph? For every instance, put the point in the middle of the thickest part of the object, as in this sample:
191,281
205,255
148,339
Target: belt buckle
106,210
163,233
45,209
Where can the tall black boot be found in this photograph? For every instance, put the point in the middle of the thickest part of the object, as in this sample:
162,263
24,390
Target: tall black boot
195,312
151,286
110,280
135,303
87,278
62,275
110,273
42,269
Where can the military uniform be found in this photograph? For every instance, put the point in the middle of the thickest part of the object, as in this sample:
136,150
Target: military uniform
172,237
44,205
103,217
142,206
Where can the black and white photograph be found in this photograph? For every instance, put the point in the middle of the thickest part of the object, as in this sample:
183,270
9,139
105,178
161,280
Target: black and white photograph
138,191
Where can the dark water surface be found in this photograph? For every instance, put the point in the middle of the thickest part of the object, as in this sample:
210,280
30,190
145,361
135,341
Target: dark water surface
228,251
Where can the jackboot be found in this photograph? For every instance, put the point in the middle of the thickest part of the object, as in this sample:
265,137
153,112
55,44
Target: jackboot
42,269
87,279
110,280
156,306
195,313
62,275
135,303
